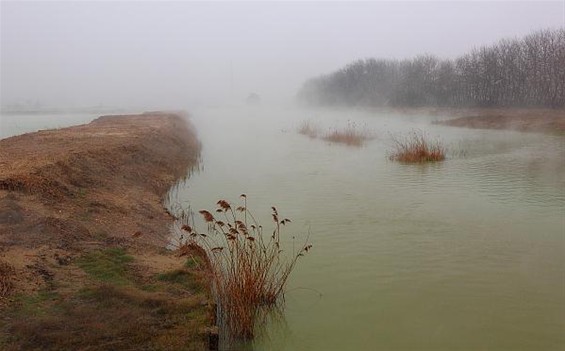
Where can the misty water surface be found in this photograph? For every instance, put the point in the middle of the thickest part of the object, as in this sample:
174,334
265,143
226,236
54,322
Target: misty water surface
461,255
19,123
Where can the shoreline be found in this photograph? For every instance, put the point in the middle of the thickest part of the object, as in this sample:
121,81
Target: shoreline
115,164
86,199
534,120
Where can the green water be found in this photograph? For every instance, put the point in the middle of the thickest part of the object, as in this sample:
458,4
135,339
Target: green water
468,254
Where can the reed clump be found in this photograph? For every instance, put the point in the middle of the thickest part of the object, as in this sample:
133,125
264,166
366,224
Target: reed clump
416,147
309,129
350,135
249,268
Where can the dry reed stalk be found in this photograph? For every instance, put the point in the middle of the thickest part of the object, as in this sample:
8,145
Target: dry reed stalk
6,274
249,270
416,148
350,135
308,129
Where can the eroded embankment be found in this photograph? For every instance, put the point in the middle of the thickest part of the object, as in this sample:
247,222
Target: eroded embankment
82,228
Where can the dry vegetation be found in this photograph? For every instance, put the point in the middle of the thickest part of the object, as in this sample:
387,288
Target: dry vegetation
549,121
249,268
309,129
114,307
416,148
350,135
81,228
6,275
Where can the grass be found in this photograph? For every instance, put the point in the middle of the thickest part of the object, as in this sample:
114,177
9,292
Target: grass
194,262
107,317
350,135
37,304
109,265
249,268
6,284
111,310
182,277
417,148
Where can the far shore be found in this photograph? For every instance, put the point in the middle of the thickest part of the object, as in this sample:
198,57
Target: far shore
538,120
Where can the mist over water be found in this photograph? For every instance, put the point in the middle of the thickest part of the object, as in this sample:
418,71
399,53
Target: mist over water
467,253
166,55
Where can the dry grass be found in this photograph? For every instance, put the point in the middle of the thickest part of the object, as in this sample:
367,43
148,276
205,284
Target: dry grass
417,148
118,308
350,135
249,268
309,129
6,274
107,318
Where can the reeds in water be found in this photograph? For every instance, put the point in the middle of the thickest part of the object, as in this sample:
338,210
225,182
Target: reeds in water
350,135
249,267
417,148
309,129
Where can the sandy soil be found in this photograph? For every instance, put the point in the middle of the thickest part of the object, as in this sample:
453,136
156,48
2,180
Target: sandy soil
69,191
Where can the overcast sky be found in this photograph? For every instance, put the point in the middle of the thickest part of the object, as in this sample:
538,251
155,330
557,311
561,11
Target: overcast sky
181,54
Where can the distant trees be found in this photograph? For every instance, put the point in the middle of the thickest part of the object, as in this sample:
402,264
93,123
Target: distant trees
513,72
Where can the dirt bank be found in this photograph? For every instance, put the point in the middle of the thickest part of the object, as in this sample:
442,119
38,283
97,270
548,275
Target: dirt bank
82,224
551,121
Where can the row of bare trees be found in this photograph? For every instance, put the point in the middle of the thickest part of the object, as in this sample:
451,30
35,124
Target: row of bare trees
513,72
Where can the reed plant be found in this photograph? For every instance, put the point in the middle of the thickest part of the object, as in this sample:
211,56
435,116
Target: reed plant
416,147
249,268
309,129
350,135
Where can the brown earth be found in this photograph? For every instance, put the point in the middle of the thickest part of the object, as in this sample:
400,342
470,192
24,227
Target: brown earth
550,121
69,198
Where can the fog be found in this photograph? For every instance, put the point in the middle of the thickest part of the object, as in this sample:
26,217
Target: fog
178,55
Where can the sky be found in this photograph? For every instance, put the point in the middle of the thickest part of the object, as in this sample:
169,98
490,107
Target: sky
168,55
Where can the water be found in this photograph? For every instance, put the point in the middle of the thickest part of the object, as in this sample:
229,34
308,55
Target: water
19,123
468,254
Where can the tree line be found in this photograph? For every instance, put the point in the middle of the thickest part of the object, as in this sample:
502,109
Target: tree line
525,72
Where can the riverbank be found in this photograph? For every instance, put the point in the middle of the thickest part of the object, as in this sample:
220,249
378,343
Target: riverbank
82,231
538,120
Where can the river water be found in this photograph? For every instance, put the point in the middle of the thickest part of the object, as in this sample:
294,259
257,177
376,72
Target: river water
468,254
19,123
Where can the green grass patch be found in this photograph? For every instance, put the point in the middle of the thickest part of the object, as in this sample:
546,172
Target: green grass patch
37,304
181,277
109,265
194,262
109,317
113,310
